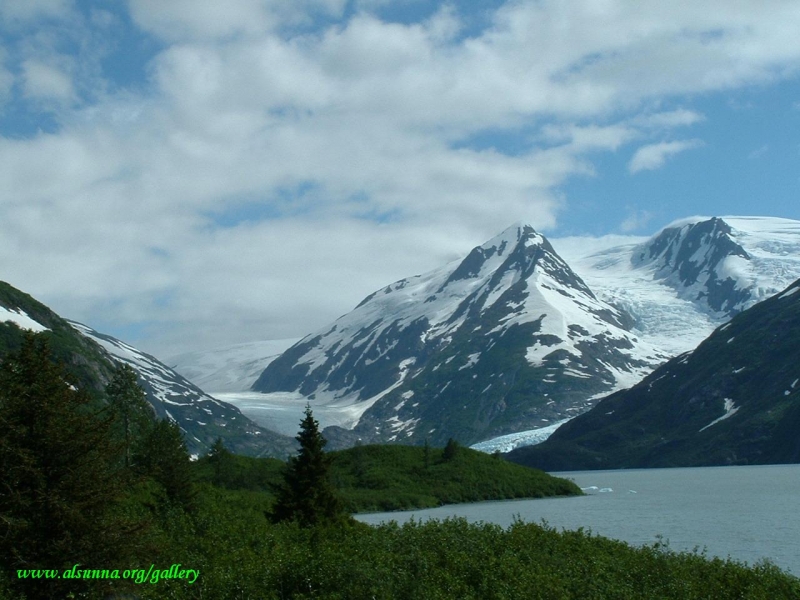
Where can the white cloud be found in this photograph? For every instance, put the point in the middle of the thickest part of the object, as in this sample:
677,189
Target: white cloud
653,156
669,119
45,82
337,160
180,20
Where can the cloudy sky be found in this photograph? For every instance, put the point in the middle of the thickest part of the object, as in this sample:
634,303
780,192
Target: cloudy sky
187,174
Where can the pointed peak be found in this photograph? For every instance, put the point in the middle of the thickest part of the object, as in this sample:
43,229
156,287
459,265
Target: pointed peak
512,235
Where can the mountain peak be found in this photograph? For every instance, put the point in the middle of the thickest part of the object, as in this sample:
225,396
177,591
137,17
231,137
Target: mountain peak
702,259
491,333
512,235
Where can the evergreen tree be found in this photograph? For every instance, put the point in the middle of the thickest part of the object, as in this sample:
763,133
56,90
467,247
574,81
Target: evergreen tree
222,464
426,454
306,494
59,484
164,458
133,415
450,450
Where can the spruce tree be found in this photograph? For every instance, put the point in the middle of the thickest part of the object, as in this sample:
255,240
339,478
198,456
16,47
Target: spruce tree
132,414
306,494
164,457
450,450
59,483
222,464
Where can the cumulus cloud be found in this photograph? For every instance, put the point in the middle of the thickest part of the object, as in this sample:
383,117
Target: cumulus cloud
283,159
653,156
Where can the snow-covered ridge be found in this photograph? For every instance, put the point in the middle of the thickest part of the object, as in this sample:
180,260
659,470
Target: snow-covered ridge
576,292
673,313
200,416
20,318
169,387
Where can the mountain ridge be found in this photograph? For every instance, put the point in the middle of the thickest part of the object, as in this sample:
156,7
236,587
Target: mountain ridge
92,357
514,295
735,399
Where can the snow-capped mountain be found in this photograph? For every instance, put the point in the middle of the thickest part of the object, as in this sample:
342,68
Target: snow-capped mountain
669,291
202,417
690,277
509,338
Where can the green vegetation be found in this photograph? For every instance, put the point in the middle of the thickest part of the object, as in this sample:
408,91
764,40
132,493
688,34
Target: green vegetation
383,478
241,555
67,496
60,490
306,494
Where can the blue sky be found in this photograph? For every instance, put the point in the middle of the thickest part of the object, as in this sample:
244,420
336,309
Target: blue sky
186,174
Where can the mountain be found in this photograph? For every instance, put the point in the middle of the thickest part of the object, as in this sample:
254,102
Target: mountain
91,357
507,339
690,277
202,417
89,364
735,399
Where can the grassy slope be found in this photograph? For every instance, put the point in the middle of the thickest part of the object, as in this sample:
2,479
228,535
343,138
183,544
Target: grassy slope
377,478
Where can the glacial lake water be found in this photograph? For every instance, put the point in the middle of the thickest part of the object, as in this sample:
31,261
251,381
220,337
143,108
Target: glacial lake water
747,513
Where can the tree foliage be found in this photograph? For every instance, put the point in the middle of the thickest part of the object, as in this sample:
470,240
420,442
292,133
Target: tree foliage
450,450
306,494
59,481
128,403
165,459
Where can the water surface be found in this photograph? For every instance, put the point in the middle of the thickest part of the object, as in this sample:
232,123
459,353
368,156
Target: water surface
747,513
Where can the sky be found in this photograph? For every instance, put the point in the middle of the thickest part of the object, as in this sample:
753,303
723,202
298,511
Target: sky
186,175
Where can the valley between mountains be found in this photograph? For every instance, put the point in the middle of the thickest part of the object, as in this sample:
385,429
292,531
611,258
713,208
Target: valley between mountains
500,349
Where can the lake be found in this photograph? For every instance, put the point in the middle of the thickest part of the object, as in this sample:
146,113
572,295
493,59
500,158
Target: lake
747,513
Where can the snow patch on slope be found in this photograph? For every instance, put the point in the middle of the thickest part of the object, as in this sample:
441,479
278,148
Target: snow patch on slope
20,318
730,410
